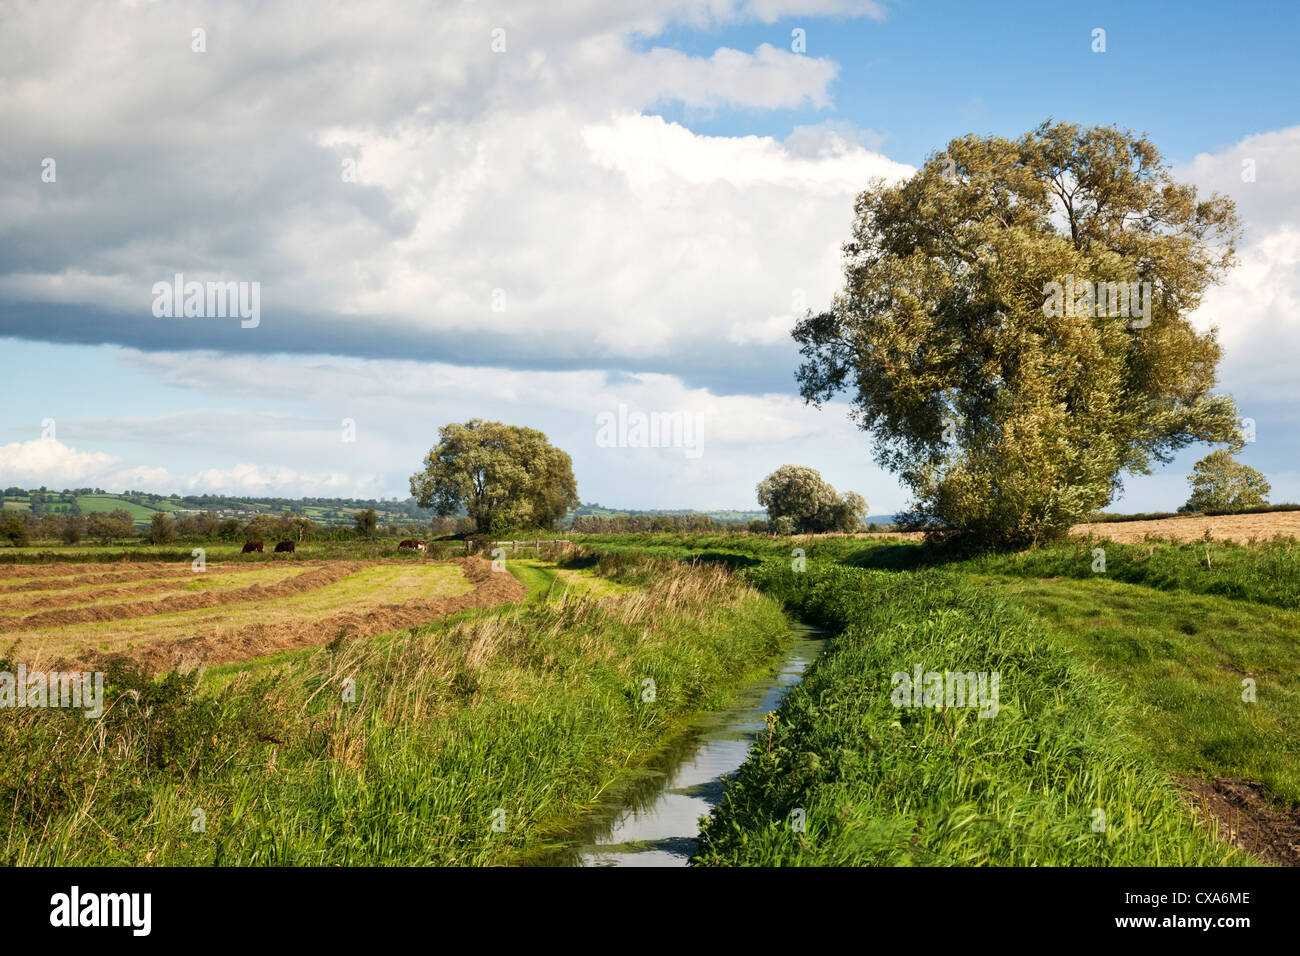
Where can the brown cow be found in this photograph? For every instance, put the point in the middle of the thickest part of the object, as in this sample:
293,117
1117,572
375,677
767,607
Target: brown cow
252,546
410,544
422,545
285,546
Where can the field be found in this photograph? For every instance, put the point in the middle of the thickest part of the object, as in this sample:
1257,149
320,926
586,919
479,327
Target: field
1241,528
1163,691
1149,708
427,723
163,615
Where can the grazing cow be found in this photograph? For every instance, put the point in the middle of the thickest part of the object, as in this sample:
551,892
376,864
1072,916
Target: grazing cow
252,546
410,544
422,545
285,546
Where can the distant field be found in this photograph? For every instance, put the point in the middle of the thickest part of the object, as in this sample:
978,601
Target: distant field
90,504
164,615
1240,528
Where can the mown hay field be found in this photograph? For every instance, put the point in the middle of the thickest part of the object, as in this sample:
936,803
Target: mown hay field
1240,528
167,614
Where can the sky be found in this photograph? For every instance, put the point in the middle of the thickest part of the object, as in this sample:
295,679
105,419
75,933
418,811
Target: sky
561,215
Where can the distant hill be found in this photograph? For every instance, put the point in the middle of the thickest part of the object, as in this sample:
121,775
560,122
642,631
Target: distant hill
723,515
143,505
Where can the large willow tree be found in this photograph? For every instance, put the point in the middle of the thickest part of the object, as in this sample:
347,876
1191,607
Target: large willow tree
1008,400
506,477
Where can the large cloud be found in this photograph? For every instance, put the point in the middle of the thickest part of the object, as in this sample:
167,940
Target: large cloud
511,207
1257,307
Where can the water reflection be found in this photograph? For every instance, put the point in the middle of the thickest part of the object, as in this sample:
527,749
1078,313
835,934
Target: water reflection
655,821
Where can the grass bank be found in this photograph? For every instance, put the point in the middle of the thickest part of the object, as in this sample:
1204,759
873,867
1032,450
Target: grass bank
458,743
848,778
1214,683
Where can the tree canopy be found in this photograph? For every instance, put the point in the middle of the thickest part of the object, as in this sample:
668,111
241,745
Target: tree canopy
1014,326
798,499
506,477
1221,483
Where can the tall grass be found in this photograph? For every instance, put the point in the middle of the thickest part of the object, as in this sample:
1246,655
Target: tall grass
881,785
1266,573
466,743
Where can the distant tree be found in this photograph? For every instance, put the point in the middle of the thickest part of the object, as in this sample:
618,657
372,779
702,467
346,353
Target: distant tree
293,525
162,528
812,505
207,524
106,525
229,528
757,526
504,476
98,525
13,530
261,528
1008,411
367,522
1220,483
51,527
74,526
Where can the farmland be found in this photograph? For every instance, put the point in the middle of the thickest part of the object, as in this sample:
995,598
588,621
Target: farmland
445,699
494,710
1161,691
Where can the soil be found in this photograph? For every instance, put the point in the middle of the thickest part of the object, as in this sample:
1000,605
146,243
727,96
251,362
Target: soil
1248,817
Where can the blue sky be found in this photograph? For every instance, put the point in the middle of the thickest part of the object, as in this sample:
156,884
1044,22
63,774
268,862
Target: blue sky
624,206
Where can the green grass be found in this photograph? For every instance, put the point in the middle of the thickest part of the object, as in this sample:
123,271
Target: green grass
883,785
1181,661
90,504
524,715
1263,573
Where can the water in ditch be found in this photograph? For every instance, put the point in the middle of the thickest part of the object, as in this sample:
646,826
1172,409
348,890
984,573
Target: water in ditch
655,819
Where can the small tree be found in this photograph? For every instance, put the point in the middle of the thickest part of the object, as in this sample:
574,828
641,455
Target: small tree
14,531
812,505
367,521
74,526
1220,483
161,528
504,476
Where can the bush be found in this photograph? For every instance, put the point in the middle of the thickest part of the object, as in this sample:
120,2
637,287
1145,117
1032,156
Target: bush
14,531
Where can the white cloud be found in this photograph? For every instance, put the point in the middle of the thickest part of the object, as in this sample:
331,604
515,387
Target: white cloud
1257,306
614,235
48,462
